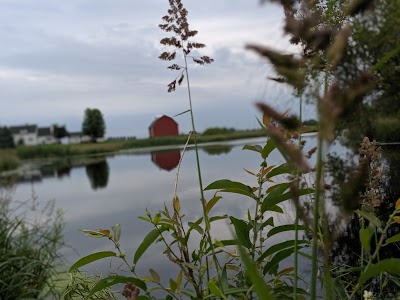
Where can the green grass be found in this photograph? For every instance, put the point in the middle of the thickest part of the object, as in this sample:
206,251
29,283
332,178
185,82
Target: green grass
8,159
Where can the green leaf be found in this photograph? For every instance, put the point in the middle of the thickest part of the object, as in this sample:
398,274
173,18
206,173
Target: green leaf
216,218
195,226
275,208
91,258
365,237
287,227
211,203
269,222
262,289
256,148
279,247
278,258
268,148
229,186
112,280
242,231
275,197
116,230
157,218
393,239
370,217
148,240
224,279
172,285
282,169
179,281
155,275
340,290
391,265
214,289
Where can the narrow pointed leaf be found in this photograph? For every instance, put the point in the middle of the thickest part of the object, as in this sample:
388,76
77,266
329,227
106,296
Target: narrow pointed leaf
214,289
370,217
262,289
391,265
282,169
393,239
210,204
242,231
116,230
91,258
365,237
288,227
179,281
278,258
268,148
256,148
278,247
147,241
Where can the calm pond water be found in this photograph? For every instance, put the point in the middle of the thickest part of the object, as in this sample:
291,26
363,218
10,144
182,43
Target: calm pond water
119,188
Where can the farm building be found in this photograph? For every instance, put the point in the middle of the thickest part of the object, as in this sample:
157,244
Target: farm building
163,126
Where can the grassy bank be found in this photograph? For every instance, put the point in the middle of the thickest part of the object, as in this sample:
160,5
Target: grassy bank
11,158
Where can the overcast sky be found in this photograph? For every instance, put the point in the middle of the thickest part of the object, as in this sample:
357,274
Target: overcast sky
59,57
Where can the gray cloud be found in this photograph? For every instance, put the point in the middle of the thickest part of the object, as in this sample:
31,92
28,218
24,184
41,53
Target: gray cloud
61,57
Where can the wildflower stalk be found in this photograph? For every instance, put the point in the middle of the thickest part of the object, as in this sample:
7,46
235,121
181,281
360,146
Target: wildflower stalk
176,23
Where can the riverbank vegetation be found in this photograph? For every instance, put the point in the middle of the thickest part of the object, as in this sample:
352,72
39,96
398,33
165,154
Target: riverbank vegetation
29,251
11,158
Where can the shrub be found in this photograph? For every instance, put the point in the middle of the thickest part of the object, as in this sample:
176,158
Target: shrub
387,129
218,130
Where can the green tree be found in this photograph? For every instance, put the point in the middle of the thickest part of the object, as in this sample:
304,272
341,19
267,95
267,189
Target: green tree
93,124
6,138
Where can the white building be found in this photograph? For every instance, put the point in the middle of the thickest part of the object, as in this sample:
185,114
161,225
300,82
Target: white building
31,135
25,135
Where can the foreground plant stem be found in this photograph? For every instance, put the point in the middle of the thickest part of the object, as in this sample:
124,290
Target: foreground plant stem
296,222
203,200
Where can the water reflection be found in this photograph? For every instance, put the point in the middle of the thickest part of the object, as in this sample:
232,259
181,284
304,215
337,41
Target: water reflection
166,160
98,174
217,149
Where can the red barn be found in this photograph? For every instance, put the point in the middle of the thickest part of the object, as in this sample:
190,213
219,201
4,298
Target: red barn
163,126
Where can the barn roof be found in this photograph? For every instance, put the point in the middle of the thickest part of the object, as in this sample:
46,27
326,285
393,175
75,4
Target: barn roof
158,118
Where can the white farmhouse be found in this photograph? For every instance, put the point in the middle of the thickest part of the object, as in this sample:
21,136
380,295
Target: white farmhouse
45,136
25,134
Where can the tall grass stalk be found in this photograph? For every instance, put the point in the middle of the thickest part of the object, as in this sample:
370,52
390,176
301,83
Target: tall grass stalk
176,22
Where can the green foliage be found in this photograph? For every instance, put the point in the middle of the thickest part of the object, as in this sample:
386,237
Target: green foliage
29,255
218,130
80,285
387,129
8,160
6,138
93,123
